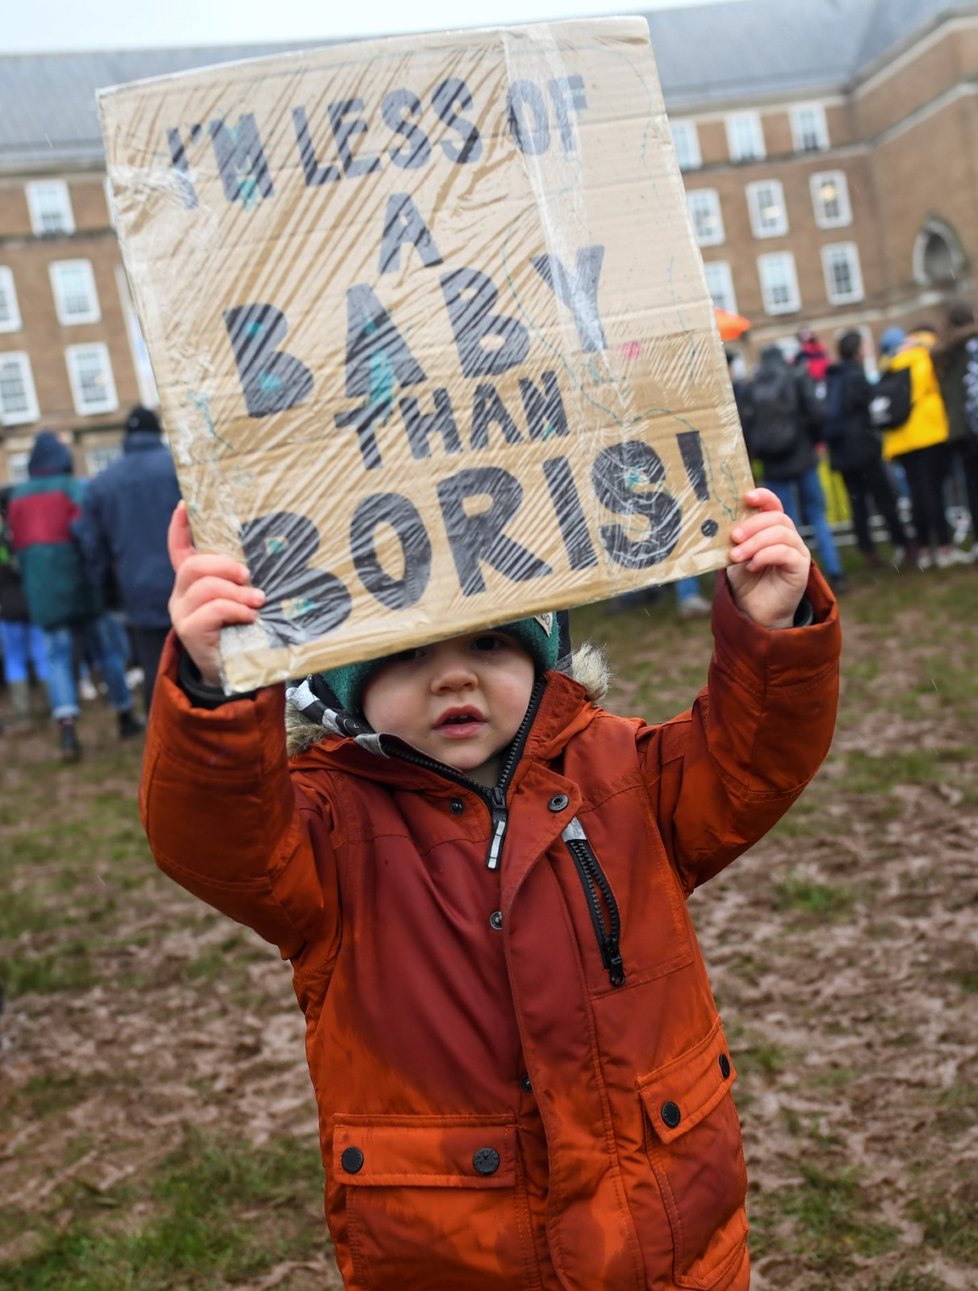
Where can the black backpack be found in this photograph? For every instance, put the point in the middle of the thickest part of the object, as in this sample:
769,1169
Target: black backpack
891,404
775,412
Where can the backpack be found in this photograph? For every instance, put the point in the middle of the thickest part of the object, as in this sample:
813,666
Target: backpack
971,386
774,405
891,404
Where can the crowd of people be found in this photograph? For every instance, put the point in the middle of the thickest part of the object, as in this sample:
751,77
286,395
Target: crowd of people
85,578
912,433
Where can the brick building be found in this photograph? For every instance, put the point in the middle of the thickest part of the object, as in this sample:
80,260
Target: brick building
829,149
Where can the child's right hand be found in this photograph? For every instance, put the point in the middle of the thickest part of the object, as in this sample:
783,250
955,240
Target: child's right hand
209,593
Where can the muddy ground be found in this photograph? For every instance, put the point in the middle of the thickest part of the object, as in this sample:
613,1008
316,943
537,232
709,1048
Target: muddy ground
843,952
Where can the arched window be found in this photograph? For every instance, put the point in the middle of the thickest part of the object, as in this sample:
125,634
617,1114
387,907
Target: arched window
938,257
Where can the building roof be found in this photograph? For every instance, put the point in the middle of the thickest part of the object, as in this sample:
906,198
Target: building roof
706,53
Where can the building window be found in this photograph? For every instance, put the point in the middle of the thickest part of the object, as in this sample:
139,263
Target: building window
90,373
75,297
704,211
830,199
18,400
779,282
843,276
768,216
808,128
99,456
745,137
50,207
687,144
17,464
9,311
719,283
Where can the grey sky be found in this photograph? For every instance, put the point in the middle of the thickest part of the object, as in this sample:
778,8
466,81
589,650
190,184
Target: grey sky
122,24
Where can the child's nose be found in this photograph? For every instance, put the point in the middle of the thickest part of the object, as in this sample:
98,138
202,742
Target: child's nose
452,672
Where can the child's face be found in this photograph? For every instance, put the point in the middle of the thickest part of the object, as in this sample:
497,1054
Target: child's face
459,701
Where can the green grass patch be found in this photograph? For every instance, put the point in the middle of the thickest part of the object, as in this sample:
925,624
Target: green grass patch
814,900
829,1217
214,1212
66,969
950,1221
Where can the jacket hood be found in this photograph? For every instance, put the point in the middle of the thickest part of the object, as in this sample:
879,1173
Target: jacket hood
49,456
307,722
772,359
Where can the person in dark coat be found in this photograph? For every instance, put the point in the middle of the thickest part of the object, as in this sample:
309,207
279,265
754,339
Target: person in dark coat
856,451
122,532
782,418
951,356
60,598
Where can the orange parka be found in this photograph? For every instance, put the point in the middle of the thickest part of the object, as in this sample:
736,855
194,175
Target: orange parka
521,1075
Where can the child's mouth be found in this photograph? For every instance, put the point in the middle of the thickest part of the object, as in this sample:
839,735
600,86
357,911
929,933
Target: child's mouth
459,722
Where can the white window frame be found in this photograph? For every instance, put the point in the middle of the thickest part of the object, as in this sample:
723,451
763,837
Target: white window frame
755,127
74,357
686,141
841,182
803,115
709,200
725,297
849,252
31,412
59,270
17,466
99,456
8,295
38,193
765,264
762,225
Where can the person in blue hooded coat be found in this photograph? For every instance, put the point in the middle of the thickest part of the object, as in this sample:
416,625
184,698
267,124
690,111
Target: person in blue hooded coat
60,598
122,531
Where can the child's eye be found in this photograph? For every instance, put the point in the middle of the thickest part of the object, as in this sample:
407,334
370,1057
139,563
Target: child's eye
488,641
407,656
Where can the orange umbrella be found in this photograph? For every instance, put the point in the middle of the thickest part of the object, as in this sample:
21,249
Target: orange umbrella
732,326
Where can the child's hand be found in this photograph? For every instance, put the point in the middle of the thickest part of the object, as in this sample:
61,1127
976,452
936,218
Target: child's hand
209,593
769,562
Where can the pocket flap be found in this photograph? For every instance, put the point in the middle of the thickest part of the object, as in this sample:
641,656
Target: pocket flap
425,1151
678,1095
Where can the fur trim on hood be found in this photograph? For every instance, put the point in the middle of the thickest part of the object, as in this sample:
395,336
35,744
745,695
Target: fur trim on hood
587,666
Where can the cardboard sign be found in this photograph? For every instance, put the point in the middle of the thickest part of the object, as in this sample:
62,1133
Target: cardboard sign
430,330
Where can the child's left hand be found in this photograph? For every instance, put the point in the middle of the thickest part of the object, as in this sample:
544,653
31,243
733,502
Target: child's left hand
769,565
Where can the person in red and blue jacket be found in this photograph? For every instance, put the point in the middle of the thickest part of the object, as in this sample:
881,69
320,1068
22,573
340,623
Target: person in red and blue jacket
60,598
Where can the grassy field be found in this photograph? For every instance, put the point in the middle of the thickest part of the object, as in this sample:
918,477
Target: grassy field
156,1121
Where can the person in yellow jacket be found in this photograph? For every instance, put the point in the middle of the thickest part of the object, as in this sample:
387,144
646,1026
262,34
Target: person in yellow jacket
920,444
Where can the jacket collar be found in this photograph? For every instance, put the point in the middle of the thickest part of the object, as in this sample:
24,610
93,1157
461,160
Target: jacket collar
564,711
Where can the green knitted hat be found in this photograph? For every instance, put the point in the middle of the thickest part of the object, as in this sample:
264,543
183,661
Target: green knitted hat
539,636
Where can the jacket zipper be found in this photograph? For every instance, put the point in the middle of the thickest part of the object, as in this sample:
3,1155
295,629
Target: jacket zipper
597,892
495,798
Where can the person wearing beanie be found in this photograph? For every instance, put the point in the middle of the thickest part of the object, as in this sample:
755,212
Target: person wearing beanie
122,533
891,341
480,876
60,598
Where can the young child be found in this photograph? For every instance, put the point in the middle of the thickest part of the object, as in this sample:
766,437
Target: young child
480,879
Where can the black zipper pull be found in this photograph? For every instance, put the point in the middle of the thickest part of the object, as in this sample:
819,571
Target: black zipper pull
499,817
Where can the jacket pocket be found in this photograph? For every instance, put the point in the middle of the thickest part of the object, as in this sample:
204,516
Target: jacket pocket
695,1150
430,1201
